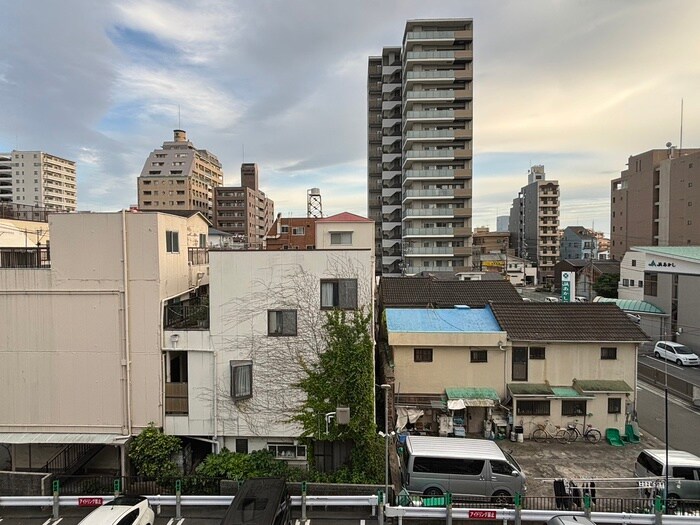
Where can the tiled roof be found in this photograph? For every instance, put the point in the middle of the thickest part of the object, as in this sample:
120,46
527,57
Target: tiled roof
345,217
426,291
597,322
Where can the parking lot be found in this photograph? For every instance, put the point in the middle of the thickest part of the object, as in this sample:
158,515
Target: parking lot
577,461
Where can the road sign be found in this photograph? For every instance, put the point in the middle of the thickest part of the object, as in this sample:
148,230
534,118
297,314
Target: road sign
482,514
90,502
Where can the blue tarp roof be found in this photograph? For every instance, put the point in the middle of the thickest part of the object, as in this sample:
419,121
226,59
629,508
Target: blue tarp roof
441,320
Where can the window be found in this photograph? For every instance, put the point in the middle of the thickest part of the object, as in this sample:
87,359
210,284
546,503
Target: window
479,356
634,262
422,355
339,293
241,380
614,405
130,518
640,284
202,240
172,242
573,407
608,352
299,230
242,445
501,467
532,408
537,352
689,473
468,467
284,228
281,322
344,238
287,450
650,284
625,282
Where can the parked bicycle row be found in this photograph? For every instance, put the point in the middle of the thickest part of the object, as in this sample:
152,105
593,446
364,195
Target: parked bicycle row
547,431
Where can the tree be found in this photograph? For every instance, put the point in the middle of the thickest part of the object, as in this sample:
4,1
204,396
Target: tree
606,285
152,452
343,376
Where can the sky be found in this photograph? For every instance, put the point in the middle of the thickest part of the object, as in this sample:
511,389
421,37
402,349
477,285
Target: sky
578,86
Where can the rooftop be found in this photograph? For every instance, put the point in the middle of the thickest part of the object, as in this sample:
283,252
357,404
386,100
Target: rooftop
597,322
691,253
344,217
629,305
457,320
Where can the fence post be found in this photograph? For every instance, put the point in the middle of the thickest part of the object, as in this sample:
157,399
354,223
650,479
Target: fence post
448,505
658,511
587,505
518,500
56,488
178,498
380,506
303,501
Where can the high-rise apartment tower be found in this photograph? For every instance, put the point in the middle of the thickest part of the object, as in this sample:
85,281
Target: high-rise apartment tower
37,178
419,149
534,223
179,177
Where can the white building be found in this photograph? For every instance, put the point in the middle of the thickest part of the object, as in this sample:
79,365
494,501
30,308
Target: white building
36,178
81,360
267,312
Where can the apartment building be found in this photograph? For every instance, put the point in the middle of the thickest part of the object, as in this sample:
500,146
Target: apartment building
37,178
420,149
534,223
81,362
244,211
655,201
179,176
268,310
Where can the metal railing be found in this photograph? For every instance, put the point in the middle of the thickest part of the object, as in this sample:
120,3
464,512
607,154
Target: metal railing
419,55
436,113
676,385
25,257
422,35
434,93
192,315
68,456
198,255
439,173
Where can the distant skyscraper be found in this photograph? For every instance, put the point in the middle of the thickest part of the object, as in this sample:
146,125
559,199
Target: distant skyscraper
179,177
419,149
534,223
655,201
37,178
244,210
502,223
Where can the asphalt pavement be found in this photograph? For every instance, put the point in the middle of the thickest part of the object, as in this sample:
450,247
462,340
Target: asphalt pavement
687,373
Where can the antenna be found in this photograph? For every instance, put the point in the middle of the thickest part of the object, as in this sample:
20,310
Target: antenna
243,152
680,146
179,125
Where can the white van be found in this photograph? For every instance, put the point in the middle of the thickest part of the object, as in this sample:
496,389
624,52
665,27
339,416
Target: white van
473,467
684,474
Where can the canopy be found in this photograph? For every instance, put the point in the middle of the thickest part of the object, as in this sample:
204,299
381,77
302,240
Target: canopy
463,397
31,438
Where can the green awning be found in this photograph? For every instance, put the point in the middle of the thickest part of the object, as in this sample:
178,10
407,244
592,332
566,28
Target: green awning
566,392
461,397
601,385
632,306
530,389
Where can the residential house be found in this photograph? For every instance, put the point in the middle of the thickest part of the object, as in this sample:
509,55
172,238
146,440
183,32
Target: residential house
81,363
578,242
267,315
587,271
515,269
291,233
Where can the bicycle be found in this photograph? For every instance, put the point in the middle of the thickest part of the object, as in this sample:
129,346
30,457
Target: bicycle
542,433
591,434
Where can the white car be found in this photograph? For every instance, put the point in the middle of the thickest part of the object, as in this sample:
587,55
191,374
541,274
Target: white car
123,510
676,352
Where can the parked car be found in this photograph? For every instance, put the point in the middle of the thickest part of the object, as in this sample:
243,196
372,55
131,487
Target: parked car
551,299
260,501
676,352
684,473
123,510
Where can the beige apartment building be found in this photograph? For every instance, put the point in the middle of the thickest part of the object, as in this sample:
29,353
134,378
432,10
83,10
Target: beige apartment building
37,178
82,367
244,211
179,176
420,149
534,223
655,201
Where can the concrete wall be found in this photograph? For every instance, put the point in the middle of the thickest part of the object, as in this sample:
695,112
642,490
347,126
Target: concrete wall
362,234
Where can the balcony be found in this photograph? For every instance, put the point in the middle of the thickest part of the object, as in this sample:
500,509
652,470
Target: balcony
429,212
430,35
187,315
25,258
197,256
439,114
445,174
438,251
429,194
428,232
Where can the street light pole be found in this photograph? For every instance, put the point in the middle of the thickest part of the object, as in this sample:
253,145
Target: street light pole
386,389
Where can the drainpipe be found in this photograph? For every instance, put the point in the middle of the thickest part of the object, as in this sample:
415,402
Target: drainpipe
127,343
216,392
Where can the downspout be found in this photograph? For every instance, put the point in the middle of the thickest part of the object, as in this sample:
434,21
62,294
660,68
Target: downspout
127,343
215,437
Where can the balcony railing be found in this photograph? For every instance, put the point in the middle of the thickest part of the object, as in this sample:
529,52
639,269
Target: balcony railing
198,256
436,113
25,257
421,55
431,134
435,93
440,73
419,174
434,250
428,231
192,315
429,153
430,212
428,193
429,35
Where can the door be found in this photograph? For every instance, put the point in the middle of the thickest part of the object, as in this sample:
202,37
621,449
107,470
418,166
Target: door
468,476
502,478
520,355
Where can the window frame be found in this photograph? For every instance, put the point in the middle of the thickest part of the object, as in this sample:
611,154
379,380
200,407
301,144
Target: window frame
337,284
612,409
537,355
572,407
172,241
341,238
475,356
608,353
284,331
422,355
533,410
234,366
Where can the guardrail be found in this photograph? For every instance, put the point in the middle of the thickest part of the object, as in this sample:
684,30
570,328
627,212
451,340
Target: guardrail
676,386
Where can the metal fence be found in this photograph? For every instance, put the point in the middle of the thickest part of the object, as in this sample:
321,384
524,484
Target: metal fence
134,485
676,385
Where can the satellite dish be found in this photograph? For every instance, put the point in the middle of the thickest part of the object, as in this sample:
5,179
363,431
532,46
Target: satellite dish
668,144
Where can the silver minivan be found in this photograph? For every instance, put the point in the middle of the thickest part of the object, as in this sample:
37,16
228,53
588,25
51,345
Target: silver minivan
684,474
473,467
